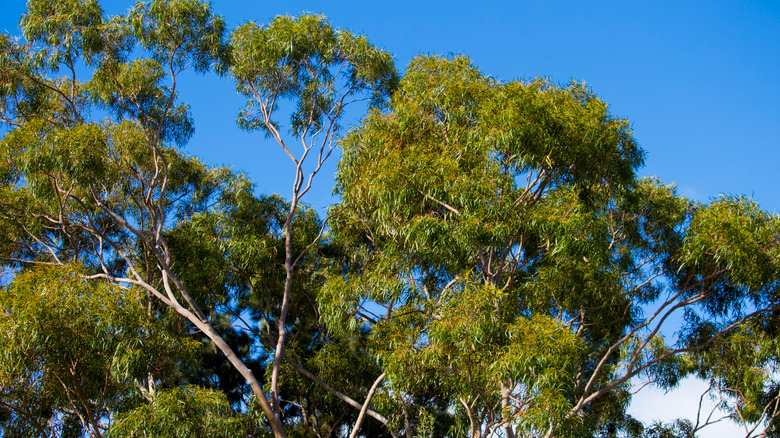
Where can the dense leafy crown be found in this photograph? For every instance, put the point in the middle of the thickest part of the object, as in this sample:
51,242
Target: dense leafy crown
503,254
493,267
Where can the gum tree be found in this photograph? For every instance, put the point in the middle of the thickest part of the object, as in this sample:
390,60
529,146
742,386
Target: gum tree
69,352
494,266
99,194
305,63
115,196
514,273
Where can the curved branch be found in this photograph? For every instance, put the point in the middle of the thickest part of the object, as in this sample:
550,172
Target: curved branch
345,398
363,410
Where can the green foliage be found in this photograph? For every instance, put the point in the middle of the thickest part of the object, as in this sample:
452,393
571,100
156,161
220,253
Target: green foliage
469,208
68,28
115,197
494,266
71,347
735,235
180,34
520,268
309,63
179,413
676,429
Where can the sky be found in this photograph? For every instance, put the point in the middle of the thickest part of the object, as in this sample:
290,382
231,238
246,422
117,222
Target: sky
699,80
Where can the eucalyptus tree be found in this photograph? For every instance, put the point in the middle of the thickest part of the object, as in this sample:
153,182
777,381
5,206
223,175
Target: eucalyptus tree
514,272
319,71
97,194
742,371
70,352
494,266
115,197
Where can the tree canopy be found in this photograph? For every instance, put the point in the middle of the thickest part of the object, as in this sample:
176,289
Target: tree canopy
493,265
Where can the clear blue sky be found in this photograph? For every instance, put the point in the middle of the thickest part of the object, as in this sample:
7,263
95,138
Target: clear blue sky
700,80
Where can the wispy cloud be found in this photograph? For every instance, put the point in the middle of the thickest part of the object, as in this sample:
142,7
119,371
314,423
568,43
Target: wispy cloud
652,404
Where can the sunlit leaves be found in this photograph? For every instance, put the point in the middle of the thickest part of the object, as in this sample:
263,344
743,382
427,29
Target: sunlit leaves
77,344
181,413
180,34
68,28
493,257
476,210
304,60
736,236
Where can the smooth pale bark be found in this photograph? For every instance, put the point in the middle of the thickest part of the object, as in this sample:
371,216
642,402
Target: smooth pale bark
246,373
341,396
505,414
363,410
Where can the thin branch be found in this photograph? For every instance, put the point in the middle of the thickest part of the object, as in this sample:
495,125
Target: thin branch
363,410
345,398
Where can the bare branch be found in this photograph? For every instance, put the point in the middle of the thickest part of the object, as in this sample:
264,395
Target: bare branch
369,396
